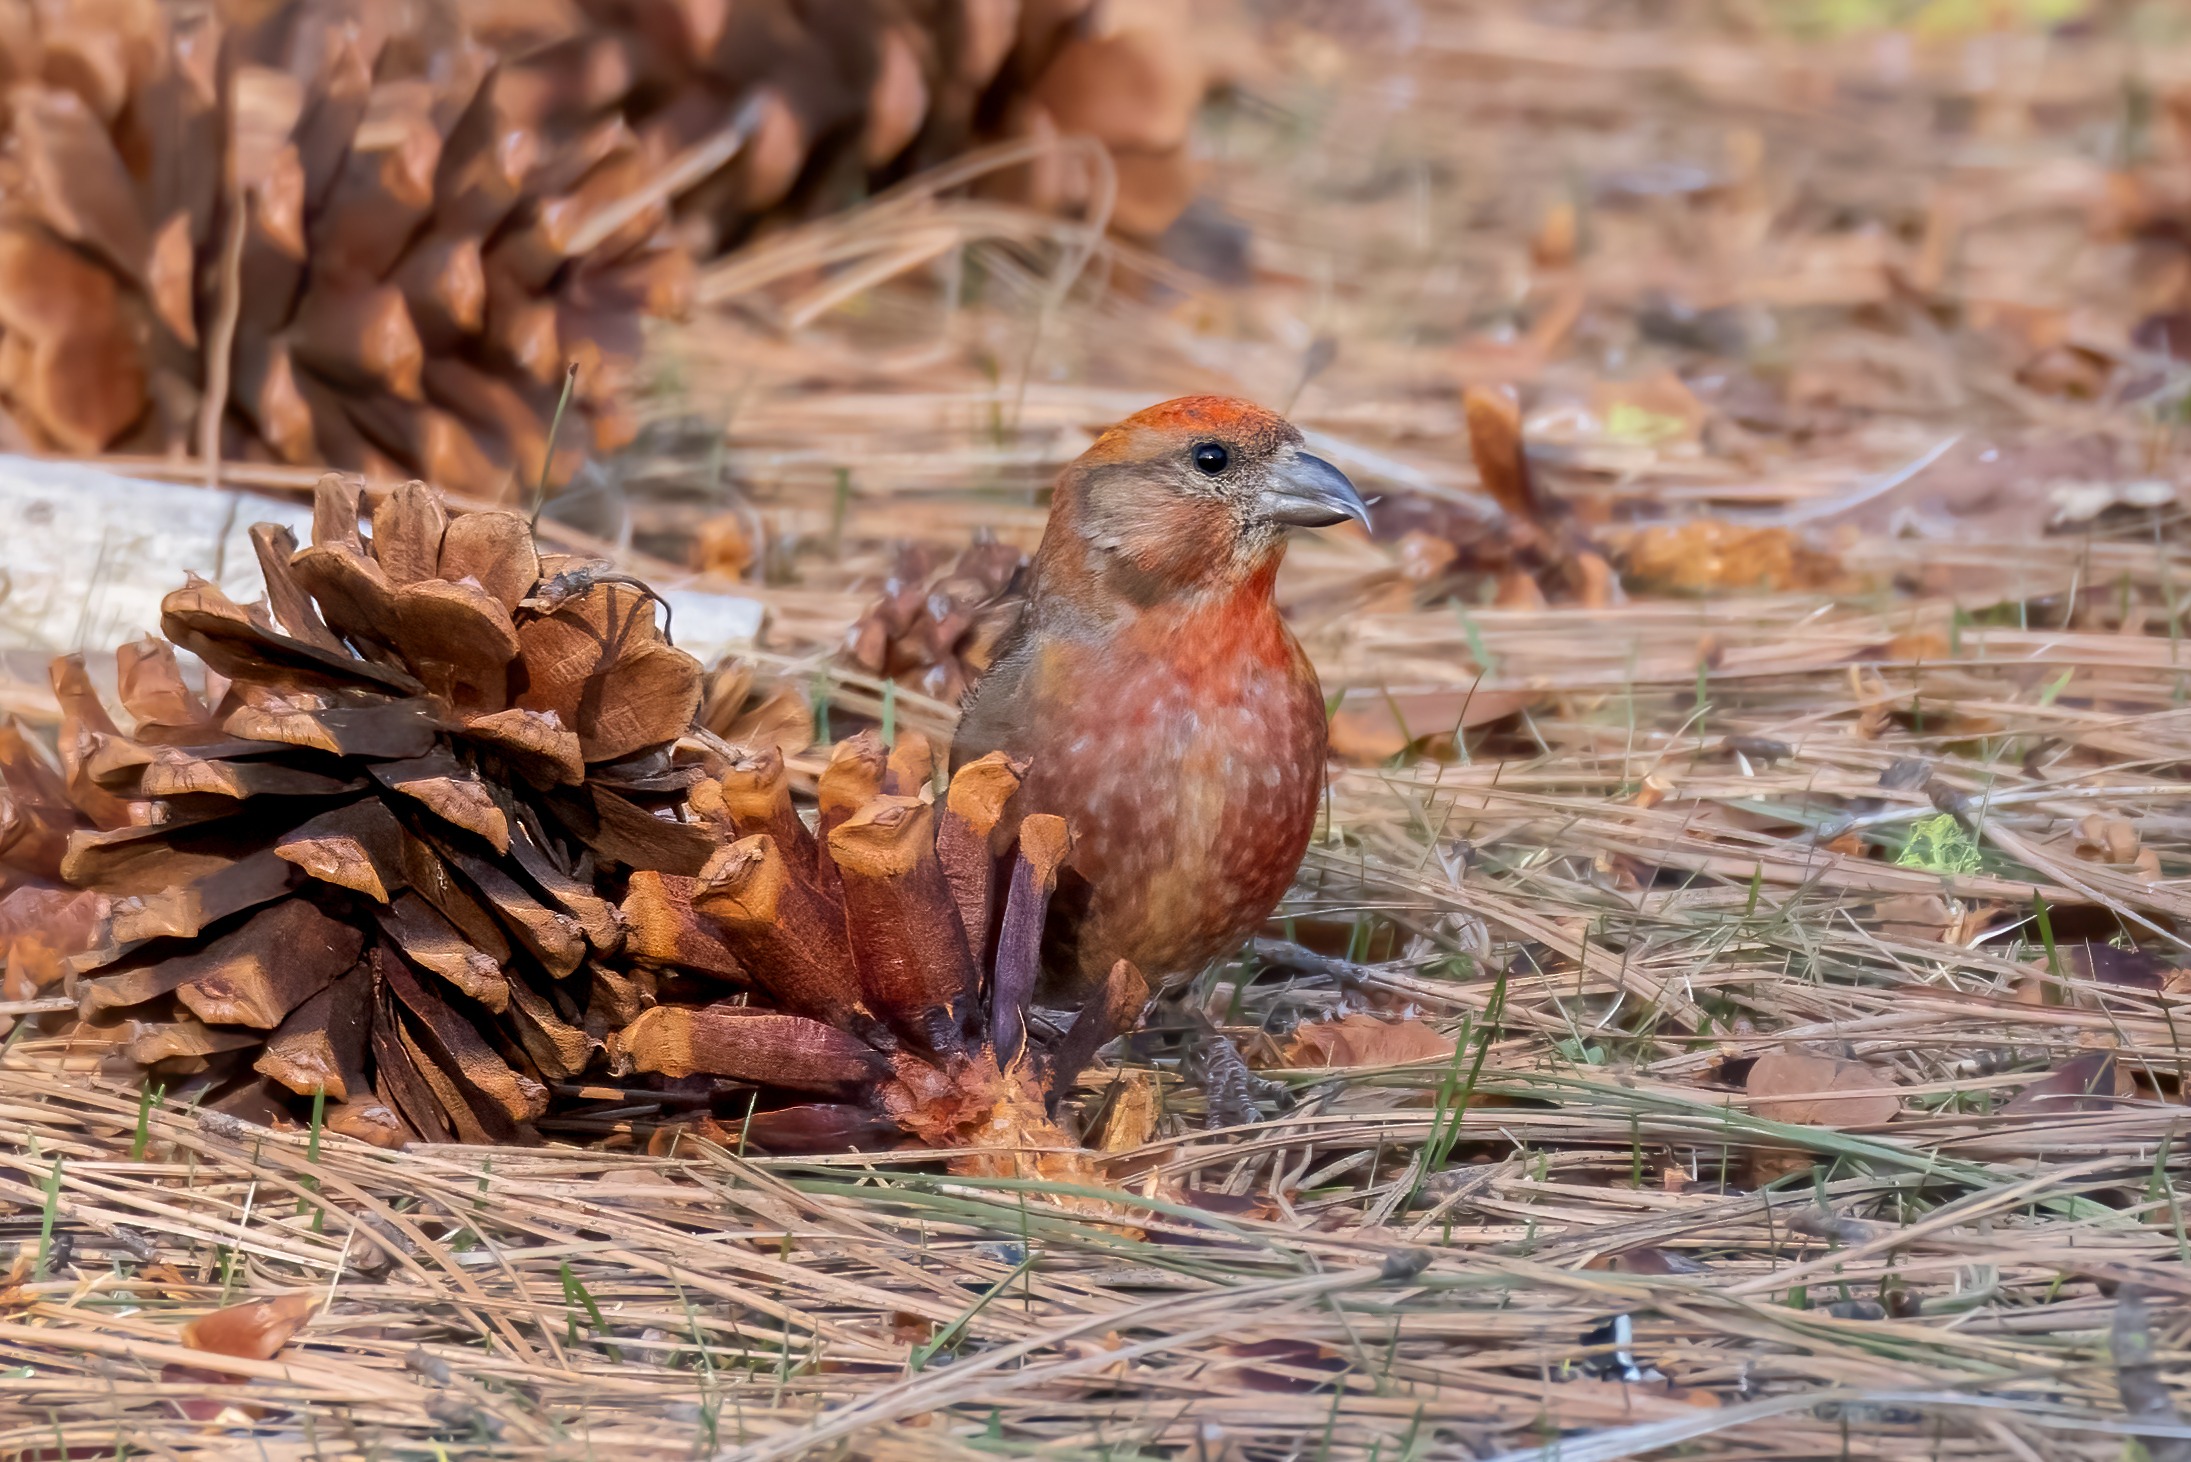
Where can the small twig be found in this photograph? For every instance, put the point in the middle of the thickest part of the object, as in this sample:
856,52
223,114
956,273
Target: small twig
228,310
547,457
51,1005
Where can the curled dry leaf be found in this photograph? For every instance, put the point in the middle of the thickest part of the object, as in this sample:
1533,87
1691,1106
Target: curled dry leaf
1706,555
1817,1090
1362,1039
1373,726
254,1331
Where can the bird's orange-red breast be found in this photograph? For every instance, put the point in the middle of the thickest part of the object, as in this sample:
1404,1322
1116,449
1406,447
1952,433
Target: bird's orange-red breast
1167,712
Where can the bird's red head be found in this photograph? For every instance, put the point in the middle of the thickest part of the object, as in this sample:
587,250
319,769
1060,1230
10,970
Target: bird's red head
1190,497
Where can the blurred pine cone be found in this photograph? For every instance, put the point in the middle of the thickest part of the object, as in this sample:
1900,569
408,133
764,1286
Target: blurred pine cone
380,231
936,628
377,243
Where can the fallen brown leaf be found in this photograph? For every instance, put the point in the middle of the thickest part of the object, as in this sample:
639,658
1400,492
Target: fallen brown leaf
1706,555
254,1331
1815,1090
1362,1039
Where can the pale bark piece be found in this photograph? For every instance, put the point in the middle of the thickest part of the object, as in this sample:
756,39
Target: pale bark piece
451,791
915,966
279,959
433,943
495,550
662,928
321,1046
747,1045
358,847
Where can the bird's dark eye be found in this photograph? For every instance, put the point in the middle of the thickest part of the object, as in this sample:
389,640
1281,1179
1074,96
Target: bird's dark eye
1211,459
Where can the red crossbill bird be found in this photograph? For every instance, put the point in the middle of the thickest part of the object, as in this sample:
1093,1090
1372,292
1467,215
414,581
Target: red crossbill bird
1165,710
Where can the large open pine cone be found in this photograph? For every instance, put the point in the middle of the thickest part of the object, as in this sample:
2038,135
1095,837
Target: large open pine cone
442,834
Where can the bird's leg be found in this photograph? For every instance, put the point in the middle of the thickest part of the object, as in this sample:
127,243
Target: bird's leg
1233,1094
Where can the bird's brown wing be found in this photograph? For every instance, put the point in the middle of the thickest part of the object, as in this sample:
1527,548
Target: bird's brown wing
991,714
